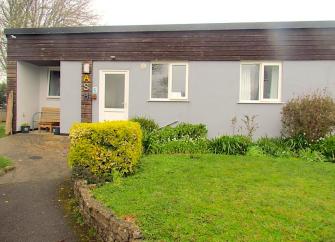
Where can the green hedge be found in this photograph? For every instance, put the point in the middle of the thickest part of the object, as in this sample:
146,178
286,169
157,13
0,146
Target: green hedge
106,147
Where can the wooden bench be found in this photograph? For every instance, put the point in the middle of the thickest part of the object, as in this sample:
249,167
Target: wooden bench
50,117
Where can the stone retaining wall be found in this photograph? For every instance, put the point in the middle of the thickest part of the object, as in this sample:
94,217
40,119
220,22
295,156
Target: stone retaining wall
107,225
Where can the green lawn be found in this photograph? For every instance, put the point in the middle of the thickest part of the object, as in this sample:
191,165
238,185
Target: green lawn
2,129
4,162
227,198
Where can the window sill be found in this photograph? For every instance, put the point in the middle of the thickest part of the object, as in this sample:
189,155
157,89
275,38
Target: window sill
169,100
53,97
260,102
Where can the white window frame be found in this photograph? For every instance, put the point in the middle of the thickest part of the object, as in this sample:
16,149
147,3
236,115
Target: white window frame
49,70
261,82
170,98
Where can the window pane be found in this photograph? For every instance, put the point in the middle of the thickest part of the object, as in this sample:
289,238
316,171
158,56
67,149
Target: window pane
178,81
271,78
54,83
114,90
159,85
250,82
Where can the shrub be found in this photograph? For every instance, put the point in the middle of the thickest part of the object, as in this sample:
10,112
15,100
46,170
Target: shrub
298,142
106,147
186,135
147,126
311,115
311,155
326,146
193,131
276,147
183,146
230,145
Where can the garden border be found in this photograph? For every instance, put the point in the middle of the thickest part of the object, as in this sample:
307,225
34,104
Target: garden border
108,227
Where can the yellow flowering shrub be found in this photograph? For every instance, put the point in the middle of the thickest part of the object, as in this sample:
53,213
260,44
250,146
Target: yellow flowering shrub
106,147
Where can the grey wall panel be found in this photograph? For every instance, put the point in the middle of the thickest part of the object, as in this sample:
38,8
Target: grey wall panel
214,94
70,94
28,89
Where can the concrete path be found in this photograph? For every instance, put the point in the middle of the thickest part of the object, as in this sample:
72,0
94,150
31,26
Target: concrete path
29,206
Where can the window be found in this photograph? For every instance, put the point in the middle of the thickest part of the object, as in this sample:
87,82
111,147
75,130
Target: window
114,90
260,82
54,83
169,81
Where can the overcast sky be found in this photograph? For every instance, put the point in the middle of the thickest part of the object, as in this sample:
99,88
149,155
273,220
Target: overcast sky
123,12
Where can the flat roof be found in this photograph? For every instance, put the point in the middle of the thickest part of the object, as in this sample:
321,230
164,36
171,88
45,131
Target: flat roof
173,27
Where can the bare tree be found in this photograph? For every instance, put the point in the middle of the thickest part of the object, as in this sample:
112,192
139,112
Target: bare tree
42,13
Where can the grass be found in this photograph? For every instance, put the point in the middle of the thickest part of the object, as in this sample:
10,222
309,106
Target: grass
227,198
2,129
4,162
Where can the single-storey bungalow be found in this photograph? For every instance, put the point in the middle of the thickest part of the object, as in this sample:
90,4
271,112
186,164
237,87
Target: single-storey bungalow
197,73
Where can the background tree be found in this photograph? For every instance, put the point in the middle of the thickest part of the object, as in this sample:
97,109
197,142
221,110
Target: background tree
2,94
42,13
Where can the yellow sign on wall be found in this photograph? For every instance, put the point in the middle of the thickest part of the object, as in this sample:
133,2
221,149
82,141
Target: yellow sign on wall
86,78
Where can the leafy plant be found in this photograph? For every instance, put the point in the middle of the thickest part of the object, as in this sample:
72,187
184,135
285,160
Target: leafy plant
230,145
311,155
194,131
184,138
326,146
311,115
182,146
147,126
106,148
276,147
296,143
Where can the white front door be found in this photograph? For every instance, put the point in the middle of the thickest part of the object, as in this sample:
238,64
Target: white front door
113,95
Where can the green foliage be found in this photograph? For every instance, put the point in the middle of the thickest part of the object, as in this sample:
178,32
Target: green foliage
274,147
311,155
181,131
230,145
326,146
181,146
4,161
106,148
3,100
311,115
296,143
147,125
2,130
191,138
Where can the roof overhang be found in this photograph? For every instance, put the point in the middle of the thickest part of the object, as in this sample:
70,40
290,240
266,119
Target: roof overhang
171,27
